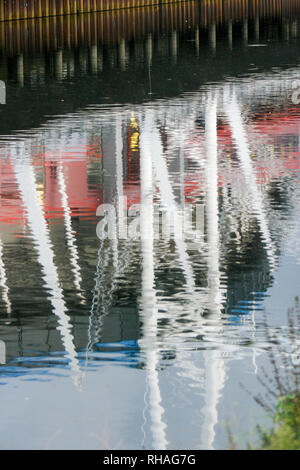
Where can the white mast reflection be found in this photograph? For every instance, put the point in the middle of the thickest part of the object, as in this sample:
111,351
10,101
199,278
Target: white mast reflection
240,137
214,364
169,203
119,262
183,118
27,186
119,178
70,237
148,344
214,302
3,281
215,373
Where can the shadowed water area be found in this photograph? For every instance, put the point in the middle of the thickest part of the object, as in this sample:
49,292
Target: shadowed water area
121,326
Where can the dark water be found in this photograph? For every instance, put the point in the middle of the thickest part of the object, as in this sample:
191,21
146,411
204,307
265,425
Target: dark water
143,339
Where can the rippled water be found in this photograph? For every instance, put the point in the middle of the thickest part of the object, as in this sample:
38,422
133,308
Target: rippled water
143,339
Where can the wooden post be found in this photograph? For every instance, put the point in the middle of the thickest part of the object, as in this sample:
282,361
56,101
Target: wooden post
17,10
9,11
73,7
67,7
60,8
39,8
1,10
31,9
47,7
80,6
40,29
53,8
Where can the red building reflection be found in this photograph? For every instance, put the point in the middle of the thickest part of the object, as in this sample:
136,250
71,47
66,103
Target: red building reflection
278,130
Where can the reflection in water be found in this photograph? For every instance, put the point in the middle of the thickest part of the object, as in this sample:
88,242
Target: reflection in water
215,367
27,186
149,306
3,280
239,135
165,303
144,168
71,241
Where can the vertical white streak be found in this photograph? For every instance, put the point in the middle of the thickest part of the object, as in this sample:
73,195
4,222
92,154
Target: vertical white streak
27,185
119,179
212,207
149,307
239,135
215,376
169,203
149,49
71,240
3,282
214,364
182,181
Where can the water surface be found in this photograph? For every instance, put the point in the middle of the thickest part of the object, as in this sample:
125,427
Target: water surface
143,340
